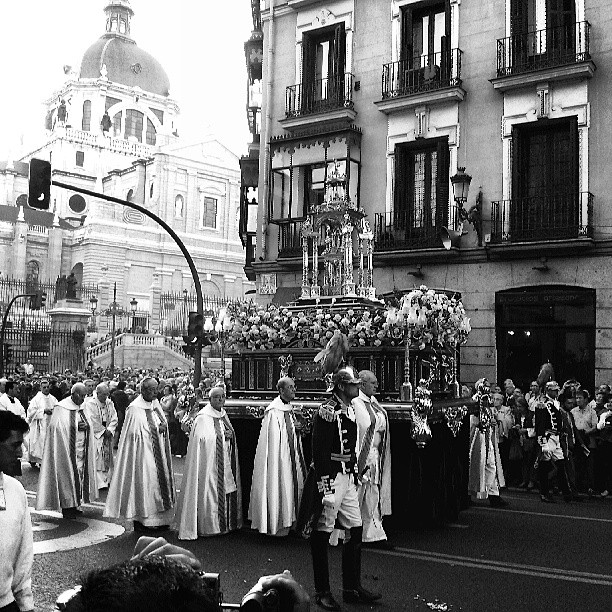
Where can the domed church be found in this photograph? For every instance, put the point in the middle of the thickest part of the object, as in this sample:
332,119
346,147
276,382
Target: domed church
111,128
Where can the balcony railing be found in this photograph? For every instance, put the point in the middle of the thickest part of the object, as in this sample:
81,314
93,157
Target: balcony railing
397,231
422,73
320,96
536,219
547,48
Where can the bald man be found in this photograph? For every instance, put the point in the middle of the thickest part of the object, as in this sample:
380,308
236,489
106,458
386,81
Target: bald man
210,501
142,488
103,416
68,474
279,469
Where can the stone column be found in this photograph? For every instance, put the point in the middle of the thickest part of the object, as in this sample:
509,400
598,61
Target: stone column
104,299
54,262
20,245
155,304
68,332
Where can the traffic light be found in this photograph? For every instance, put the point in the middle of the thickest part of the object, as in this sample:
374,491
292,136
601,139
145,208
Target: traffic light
195,327
39,188
8,352
38,300
189,346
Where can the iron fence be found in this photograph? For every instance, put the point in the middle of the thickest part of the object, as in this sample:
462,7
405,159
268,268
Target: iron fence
422,73
22,314
398,231
176,306
46,349
548,48
319,96
533,219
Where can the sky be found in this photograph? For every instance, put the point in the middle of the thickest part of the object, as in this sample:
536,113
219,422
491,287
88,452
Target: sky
198,42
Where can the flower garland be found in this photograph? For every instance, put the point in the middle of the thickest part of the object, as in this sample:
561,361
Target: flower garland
261,328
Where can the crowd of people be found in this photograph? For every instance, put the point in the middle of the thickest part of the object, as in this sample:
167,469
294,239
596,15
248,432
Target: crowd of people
551,437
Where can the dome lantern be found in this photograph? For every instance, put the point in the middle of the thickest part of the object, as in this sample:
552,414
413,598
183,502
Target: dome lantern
118,16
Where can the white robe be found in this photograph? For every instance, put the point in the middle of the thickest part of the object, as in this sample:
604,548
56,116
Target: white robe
67,474
210,501
279,472
14,406
104,418
39,421
375,454
143,489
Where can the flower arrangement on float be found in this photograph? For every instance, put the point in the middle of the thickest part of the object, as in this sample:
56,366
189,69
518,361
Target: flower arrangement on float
435,319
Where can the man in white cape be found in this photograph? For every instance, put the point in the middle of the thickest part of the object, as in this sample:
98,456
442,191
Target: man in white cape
279,470
39,415
103,416
68,473
373,461
210,502
142,488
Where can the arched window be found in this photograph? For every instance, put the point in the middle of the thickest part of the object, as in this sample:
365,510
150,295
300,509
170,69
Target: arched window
122,26
179,204
117,125
86,123
151,134
133,124
130,195
32,272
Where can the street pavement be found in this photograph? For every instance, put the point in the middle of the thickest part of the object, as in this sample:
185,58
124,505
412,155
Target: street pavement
529,556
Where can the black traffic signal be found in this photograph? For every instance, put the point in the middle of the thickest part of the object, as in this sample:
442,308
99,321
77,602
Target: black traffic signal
39,188
8,352
189,346
195,327
38,300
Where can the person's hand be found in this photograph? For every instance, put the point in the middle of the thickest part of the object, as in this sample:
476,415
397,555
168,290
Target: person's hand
293,597
147,546
329,500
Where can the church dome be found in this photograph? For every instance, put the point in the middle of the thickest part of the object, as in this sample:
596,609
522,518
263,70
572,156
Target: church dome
125,62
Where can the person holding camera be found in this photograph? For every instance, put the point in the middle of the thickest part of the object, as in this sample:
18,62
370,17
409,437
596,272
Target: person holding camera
331,493
162,577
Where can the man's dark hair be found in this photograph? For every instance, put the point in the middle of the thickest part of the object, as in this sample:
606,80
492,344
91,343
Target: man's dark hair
121,385
9,421
153,584
8,385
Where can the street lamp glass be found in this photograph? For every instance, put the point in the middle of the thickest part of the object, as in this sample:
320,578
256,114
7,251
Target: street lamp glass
134,304
461,185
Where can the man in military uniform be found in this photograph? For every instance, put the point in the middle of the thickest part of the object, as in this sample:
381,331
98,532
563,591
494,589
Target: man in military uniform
549,427
334,452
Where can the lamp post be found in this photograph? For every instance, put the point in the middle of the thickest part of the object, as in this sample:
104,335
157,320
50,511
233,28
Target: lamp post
216,330
461,187
133,306
93,300
114,310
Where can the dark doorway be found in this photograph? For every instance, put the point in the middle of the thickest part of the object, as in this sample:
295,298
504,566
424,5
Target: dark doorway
539,324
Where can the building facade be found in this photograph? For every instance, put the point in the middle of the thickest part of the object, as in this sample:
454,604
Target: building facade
111,128
401,95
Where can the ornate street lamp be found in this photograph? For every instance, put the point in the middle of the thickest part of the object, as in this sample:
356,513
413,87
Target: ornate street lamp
461,186
93,300
133,306
114,310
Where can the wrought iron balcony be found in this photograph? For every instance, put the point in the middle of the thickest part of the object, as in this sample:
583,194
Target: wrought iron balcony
540,49
320,96
421,74
396,231
289,239
543,218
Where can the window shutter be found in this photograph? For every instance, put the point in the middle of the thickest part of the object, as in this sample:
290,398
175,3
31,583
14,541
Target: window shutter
442,178
575,171
517,170
401,187
406,34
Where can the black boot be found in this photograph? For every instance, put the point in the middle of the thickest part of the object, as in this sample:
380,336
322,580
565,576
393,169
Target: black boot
320,565
352,591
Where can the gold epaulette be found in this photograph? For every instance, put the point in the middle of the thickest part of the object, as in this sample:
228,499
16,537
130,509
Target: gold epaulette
327,410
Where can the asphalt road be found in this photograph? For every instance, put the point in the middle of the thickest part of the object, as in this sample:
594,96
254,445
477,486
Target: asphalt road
530,556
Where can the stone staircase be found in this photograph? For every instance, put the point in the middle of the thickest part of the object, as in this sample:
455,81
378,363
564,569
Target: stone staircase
140,351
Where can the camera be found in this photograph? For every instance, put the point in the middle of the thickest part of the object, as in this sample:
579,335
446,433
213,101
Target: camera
253,601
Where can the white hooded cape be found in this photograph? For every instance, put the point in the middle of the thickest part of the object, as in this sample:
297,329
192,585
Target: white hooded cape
204,508
39,422
142,487
279,471
59,484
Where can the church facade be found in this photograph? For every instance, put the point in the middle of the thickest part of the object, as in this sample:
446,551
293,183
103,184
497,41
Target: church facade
111,128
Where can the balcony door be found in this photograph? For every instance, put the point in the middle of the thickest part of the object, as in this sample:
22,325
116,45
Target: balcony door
421,192
323,66
425,41
545,200
543,31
